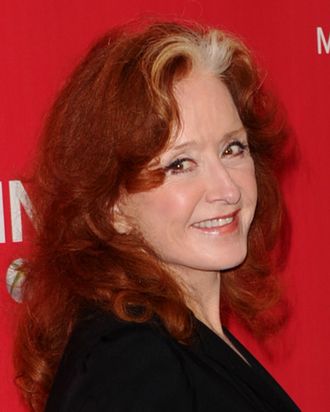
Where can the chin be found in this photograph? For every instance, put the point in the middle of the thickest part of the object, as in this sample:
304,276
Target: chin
233,259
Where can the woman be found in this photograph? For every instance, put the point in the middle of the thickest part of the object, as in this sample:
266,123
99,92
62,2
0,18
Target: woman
146,204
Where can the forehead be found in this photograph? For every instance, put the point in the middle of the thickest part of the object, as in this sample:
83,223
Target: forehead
207,110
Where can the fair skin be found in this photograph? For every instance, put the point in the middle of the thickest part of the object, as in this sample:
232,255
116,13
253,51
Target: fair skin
198,219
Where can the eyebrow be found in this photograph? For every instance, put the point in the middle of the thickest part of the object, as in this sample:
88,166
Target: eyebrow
192,143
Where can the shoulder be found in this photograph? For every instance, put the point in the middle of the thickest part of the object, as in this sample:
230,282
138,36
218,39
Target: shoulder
115,364
103,336
109,342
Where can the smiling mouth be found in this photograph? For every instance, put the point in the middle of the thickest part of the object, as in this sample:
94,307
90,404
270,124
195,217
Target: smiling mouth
218,223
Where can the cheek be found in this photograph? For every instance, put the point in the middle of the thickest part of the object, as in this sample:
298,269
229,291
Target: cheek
171,203
250,190
248,180
247,183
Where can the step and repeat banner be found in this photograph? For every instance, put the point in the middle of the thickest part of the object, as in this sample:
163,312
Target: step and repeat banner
42,40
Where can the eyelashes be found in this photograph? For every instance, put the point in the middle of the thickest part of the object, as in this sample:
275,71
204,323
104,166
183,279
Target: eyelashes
180,165
235,149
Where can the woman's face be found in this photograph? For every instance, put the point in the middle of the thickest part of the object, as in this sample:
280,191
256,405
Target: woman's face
198,219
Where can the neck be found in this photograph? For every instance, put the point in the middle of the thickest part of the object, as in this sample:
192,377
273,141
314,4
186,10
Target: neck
203,297
202,292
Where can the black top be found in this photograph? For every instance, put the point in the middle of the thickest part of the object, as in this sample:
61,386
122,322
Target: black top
115,366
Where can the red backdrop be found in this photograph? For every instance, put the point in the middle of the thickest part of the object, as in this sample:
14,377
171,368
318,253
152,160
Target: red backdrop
41,41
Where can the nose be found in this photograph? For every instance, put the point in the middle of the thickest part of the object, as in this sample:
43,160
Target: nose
221,185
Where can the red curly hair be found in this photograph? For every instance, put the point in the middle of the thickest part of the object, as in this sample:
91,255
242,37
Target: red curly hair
116,113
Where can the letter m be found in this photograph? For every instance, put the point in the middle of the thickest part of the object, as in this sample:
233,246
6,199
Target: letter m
322,42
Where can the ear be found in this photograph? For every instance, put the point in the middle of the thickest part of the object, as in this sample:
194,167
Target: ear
120,220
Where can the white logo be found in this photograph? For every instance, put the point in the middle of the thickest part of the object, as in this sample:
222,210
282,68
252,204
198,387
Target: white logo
19,200
322,43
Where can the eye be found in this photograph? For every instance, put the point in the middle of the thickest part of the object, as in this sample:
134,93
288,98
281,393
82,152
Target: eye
235,148
180,166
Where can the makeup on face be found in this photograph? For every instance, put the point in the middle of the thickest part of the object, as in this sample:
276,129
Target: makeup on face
198,220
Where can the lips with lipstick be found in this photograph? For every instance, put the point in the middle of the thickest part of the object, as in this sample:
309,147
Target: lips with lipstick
219,225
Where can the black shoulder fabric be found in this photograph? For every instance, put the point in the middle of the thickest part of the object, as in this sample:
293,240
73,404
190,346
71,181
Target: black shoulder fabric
115,366
129,367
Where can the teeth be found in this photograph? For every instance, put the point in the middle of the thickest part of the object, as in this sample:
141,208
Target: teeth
214,222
